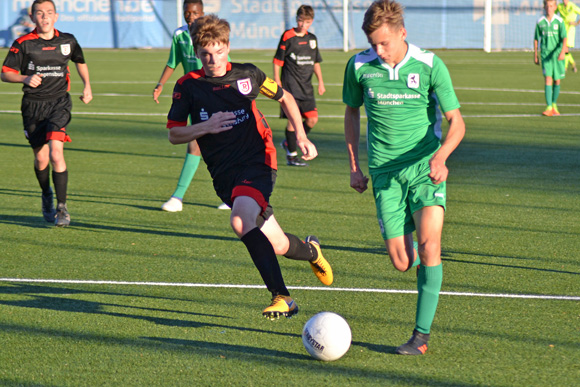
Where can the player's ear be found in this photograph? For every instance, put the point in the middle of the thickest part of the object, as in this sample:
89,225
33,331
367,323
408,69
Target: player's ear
403,33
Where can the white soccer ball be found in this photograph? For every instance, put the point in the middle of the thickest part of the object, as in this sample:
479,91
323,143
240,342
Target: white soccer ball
326,336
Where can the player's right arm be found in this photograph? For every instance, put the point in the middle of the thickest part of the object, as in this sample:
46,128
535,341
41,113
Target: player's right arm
358,181
165,75
14,77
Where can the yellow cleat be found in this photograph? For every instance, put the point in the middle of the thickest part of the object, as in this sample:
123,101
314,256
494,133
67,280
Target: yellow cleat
549,112
555,111
320,266
280,306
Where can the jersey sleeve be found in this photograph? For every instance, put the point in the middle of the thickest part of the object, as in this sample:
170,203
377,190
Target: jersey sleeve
537,32
352,93
269,88
13,60
180,106
77,55
443,87
174,54
318,58
280,54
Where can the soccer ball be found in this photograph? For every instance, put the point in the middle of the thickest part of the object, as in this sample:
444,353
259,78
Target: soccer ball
326,336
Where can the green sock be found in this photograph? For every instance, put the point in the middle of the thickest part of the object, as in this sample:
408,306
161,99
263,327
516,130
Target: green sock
555,94
548,93
187,172
429,285
417,260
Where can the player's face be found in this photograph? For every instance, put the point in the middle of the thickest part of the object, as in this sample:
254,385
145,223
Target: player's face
551,7
389,45
303,24
44,15
214,59
191,12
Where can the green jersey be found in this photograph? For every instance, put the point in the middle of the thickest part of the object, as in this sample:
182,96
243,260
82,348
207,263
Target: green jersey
402,105
551,36
569,13
182,51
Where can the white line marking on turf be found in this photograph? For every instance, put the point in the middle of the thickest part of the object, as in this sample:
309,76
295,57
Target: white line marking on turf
234,286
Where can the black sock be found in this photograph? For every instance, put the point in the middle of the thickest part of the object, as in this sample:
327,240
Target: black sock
307,128
43,178
299,250
266,262
291,140
60,180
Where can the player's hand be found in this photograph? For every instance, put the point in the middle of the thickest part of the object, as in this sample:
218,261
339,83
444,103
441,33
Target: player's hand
358,181
439,171
33,80
157,92
87,96
321,89
308,149
220,122
536,61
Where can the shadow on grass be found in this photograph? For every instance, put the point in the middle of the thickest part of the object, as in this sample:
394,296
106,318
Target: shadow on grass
504,265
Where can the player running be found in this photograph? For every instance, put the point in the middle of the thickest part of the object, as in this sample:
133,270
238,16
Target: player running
401,87
236,145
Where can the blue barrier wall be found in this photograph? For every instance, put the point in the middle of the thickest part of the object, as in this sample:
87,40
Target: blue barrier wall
455,24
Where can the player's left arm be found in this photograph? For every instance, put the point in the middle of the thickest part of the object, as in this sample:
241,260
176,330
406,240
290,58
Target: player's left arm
455,134
292,111
83,71
318,73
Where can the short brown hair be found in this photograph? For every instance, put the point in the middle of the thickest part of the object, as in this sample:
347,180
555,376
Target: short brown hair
305,11
36,2
383,12
209,29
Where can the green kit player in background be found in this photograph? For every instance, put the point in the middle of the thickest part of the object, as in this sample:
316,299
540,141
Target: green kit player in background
401,87
550,38
182,52
569,12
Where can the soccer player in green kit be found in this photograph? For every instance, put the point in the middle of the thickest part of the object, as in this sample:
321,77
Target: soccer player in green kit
401,87
550,38
569,12
182,52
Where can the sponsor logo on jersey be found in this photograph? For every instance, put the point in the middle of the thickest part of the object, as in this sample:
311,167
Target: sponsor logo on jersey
48,48
293,56
14,50
413,81
312,44
203,115
176,95
371,93
30,66
245,86
65,49
373,75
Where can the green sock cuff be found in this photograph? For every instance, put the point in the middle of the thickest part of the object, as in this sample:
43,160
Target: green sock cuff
417,260
187,172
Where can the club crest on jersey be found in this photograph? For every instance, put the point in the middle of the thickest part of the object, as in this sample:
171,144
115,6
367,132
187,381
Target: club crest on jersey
312,44
245,86
65,49
413,81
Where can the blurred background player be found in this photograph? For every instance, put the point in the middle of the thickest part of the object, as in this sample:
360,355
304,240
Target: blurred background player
401,87
550,39
236,144
182,52
569,12
39,60
298,57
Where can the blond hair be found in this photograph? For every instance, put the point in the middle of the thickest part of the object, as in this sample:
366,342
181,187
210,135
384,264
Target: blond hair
383,12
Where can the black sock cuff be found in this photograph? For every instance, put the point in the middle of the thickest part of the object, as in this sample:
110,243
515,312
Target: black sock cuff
300,250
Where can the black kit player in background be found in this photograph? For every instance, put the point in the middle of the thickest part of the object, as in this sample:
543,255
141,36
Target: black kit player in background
298,58
39,60
236,145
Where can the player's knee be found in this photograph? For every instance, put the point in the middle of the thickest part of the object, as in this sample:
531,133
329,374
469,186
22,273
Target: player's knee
429,250
311,121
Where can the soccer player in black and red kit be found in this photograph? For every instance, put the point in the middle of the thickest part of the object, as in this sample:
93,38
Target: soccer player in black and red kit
298,58
39,60
236,145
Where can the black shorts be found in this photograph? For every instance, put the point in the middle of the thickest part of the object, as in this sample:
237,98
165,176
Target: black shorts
46,120
255,181
307,108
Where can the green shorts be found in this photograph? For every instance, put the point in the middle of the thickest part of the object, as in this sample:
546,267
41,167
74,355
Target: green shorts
554,68
398,194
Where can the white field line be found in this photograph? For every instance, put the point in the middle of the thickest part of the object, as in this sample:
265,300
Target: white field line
234,286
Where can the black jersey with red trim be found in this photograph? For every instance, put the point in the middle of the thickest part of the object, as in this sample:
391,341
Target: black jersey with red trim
249,142
31,55
297,56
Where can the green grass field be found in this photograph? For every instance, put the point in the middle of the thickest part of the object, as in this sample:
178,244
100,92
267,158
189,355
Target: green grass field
131,295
